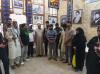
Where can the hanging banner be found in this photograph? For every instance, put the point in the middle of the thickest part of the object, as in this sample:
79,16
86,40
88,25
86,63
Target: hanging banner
69,11
29,13
5,10
54,4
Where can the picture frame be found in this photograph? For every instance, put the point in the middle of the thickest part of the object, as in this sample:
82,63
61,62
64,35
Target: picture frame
53,4
52,20
77,16
38,19
95,17
38,9
18,4
63,19
91,1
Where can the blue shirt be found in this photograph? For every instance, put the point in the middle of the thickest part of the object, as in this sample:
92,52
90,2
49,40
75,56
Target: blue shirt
51,35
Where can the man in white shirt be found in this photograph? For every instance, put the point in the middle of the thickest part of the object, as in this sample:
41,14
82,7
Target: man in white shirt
31,41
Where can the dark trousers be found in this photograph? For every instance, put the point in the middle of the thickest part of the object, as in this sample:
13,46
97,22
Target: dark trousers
52,52
56,51
46,47
30,49
4,58
0,71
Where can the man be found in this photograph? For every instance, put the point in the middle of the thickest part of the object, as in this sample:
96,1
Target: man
3,55
45,38
31,41
58,30
24,35
17,42
96,20
51,36
69,34
39,41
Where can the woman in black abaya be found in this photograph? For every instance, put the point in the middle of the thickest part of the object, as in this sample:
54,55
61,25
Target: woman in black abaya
93,56
79,44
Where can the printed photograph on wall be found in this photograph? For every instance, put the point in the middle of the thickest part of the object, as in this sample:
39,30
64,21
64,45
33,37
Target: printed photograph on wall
53,4
91,1
37,19
38,9
18,3
77,16
63,19
95,17
52,20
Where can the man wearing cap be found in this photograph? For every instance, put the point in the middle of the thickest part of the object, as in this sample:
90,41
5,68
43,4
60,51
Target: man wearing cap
39,41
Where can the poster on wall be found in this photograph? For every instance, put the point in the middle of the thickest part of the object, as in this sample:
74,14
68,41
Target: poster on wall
18,3
37,19
53,4
63,19
95,17
77,16
52,20
91,1
38,9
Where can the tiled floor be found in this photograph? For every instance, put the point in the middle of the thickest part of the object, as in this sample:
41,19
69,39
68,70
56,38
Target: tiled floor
43,66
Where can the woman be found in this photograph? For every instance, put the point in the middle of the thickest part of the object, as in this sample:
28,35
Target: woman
93,56
79,44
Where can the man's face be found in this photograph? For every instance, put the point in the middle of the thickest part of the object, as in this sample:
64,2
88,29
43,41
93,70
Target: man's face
39,26
97,16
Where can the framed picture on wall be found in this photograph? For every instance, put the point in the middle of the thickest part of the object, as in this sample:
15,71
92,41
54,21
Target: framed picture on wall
95,17
37,19
53,4
91,1
63,19
52,20
77,16
18,3
38,9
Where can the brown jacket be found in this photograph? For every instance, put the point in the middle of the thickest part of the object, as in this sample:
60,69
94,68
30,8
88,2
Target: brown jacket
69,34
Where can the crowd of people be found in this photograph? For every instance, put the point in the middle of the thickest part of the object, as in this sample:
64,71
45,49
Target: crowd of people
21,43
